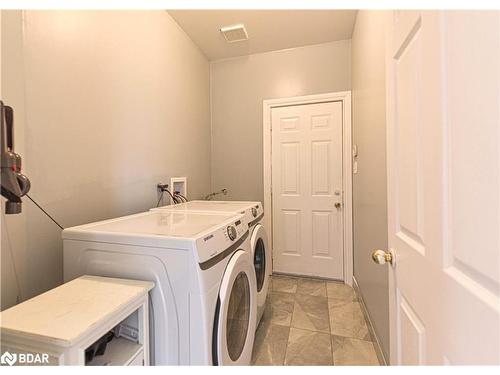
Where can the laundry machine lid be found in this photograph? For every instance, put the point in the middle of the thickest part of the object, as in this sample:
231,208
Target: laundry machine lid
236,315
164,224
217,206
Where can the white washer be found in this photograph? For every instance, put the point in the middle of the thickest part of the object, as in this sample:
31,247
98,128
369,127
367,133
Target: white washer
261,253
203,307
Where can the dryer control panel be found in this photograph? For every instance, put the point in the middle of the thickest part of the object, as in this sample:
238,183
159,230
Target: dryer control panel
222,238
233,231
254,213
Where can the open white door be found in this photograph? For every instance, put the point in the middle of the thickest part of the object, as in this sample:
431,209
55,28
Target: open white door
443,82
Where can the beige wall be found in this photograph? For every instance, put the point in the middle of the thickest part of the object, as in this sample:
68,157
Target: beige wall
13,252
238,87
369,184
115,102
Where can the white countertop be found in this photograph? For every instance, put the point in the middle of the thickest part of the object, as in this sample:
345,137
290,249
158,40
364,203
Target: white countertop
64,314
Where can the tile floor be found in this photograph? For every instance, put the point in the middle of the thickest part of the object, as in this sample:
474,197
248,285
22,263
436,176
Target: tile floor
312,322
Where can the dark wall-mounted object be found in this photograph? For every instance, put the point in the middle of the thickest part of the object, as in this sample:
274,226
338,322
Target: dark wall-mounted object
14,184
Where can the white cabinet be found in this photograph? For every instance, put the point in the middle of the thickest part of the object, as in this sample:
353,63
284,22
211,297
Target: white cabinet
58,326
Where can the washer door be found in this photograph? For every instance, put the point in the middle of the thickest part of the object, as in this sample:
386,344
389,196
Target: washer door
236,313
261,261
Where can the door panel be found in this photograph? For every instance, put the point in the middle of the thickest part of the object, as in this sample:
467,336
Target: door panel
443,82
471,255
321,166
306,182
321,233
412,335
409,156
473,152
291,232
290,168
289,124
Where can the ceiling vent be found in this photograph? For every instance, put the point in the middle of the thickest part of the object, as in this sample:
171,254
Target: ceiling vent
234,33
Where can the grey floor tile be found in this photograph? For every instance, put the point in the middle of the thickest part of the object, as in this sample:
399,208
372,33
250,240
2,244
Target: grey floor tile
270,344
284,284
340,291
311,312
348,351
327,325
347,319
308,348
311,287
279,308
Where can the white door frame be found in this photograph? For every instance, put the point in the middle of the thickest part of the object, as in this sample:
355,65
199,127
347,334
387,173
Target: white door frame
345,98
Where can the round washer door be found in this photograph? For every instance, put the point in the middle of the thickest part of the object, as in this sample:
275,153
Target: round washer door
236,314
261,261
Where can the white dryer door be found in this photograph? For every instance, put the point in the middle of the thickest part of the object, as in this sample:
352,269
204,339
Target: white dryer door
237,312
262,261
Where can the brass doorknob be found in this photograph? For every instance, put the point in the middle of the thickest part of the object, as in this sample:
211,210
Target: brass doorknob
338,205
383,257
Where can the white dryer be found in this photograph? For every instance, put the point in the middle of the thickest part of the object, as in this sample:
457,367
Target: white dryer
261,253
203,307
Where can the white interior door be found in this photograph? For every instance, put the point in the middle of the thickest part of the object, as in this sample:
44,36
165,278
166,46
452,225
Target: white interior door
306,185
443,79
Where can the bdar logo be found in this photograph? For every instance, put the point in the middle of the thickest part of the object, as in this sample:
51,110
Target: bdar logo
8,358
24,358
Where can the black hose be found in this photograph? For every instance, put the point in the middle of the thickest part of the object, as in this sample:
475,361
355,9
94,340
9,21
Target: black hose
45,212
184,199
159,200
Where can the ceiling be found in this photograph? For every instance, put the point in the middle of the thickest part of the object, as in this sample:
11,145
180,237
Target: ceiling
268,30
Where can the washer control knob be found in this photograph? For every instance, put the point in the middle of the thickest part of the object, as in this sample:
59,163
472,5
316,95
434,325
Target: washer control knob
254,212
231,232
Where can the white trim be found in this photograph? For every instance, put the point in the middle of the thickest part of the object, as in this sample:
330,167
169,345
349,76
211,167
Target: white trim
183,180
345,98
376,342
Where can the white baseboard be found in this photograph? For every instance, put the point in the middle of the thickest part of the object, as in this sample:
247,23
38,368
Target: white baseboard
376,341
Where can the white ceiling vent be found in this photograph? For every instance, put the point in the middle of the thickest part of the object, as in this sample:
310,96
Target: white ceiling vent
234,33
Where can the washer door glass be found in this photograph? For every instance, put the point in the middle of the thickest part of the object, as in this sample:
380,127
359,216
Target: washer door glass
259,262
238,316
